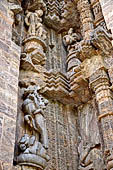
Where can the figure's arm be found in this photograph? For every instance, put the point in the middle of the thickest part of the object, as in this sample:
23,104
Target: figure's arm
84,154
26,19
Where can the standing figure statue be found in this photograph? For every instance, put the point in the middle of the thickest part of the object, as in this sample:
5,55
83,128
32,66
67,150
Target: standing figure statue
31,20
40,31
34,21
33,108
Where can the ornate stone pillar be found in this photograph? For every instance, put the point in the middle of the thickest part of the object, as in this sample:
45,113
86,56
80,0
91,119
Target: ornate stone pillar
86,17
98,16
99,82
34,45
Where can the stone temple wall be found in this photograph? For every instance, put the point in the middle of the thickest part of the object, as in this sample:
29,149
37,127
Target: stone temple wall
56,85
9,72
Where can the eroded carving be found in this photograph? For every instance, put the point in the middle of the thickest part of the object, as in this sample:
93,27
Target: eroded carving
91,157
71,39
34,21
33,148
33,108
29,145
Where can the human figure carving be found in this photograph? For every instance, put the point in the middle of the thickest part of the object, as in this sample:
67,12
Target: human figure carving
29,145
33,107
34,21
40,31
71,39
31,20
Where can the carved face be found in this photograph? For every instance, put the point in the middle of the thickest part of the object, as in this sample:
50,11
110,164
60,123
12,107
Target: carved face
39,12
26,141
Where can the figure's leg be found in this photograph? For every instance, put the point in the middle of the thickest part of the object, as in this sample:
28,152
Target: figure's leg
40,123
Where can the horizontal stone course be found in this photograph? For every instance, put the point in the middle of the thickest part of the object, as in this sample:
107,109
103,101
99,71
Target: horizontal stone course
9,73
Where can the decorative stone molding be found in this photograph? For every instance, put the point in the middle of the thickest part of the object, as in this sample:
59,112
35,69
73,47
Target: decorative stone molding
57,87
32,153
34,53
86,18
101,39
99,81
52,15
98,16
79,87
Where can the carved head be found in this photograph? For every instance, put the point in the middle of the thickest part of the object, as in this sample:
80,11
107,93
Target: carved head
42,102
39,12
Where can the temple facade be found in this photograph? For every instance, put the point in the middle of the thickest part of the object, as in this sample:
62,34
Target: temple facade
56,85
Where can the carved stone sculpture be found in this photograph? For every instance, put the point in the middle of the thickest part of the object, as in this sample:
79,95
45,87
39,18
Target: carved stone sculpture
33,148
89,156
33,108
32,152
70,39
40,31
33,21
34,46
30,20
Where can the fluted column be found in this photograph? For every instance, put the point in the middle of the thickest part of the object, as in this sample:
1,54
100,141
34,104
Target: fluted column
99,82
86,17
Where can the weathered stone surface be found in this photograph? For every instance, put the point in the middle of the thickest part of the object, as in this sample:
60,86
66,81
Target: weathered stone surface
64,47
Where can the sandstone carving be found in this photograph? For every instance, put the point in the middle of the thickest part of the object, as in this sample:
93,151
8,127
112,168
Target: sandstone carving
71,39
34,21
34,46
32,152
33,107
61,53
90,157
33,149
